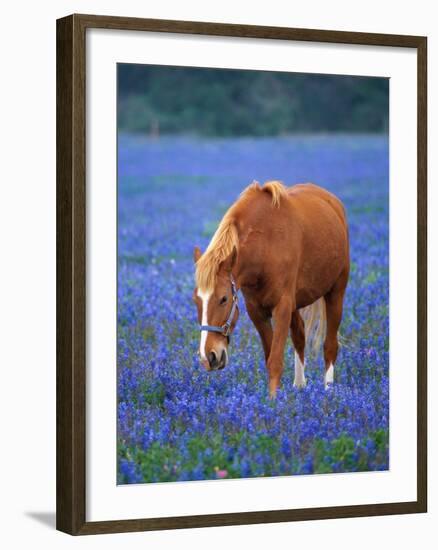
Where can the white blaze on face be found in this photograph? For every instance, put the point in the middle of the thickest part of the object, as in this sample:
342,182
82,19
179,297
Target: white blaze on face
329,376
205,297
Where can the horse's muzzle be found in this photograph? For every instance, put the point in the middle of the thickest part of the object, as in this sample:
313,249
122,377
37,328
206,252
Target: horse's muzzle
215,362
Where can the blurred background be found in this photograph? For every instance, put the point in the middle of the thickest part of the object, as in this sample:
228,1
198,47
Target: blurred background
225,102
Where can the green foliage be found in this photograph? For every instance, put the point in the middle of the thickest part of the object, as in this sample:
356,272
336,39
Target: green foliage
208,456
343,454
224,102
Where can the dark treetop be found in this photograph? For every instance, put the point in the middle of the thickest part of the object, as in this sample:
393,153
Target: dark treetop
226,102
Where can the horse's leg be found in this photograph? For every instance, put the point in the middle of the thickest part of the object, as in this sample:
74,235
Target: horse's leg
281,315
262,323
299,342
334,304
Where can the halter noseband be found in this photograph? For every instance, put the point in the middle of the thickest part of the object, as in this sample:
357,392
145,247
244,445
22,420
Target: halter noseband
225,329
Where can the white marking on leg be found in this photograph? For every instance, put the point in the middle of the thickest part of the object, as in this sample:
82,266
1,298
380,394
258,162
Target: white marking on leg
329,376
300,379
205,296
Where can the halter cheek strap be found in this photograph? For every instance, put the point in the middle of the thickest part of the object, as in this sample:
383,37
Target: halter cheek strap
225,329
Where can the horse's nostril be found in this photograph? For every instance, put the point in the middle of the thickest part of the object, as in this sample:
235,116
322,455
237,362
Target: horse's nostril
223,357
212,359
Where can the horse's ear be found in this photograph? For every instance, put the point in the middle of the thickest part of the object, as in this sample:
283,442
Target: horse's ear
196,253
229,262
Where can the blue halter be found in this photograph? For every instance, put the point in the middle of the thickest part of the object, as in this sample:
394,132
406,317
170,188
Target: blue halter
225,329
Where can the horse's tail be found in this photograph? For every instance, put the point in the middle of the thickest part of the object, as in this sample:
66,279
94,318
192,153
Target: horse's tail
315,323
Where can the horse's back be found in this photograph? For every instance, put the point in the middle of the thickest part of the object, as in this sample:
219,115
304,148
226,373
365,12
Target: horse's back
308,191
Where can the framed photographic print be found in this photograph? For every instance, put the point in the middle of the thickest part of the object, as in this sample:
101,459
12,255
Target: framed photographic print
241,274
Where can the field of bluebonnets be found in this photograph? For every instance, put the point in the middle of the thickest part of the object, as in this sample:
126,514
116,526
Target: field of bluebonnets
175,420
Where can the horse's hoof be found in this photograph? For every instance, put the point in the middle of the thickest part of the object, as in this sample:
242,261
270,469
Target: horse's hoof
300,384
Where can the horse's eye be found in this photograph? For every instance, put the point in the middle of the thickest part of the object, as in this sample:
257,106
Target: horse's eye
223,300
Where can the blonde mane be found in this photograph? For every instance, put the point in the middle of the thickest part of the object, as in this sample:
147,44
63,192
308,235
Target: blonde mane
276,189
226,236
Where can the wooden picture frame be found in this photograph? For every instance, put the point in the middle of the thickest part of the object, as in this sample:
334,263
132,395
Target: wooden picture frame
71,273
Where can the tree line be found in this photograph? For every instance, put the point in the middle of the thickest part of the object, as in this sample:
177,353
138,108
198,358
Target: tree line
225,102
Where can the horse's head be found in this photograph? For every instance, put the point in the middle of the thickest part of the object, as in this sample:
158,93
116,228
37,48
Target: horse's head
217,314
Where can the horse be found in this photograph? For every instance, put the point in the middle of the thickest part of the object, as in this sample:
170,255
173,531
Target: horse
287,250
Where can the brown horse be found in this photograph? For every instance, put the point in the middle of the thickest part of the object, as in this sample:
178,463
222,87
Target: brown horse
287,250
